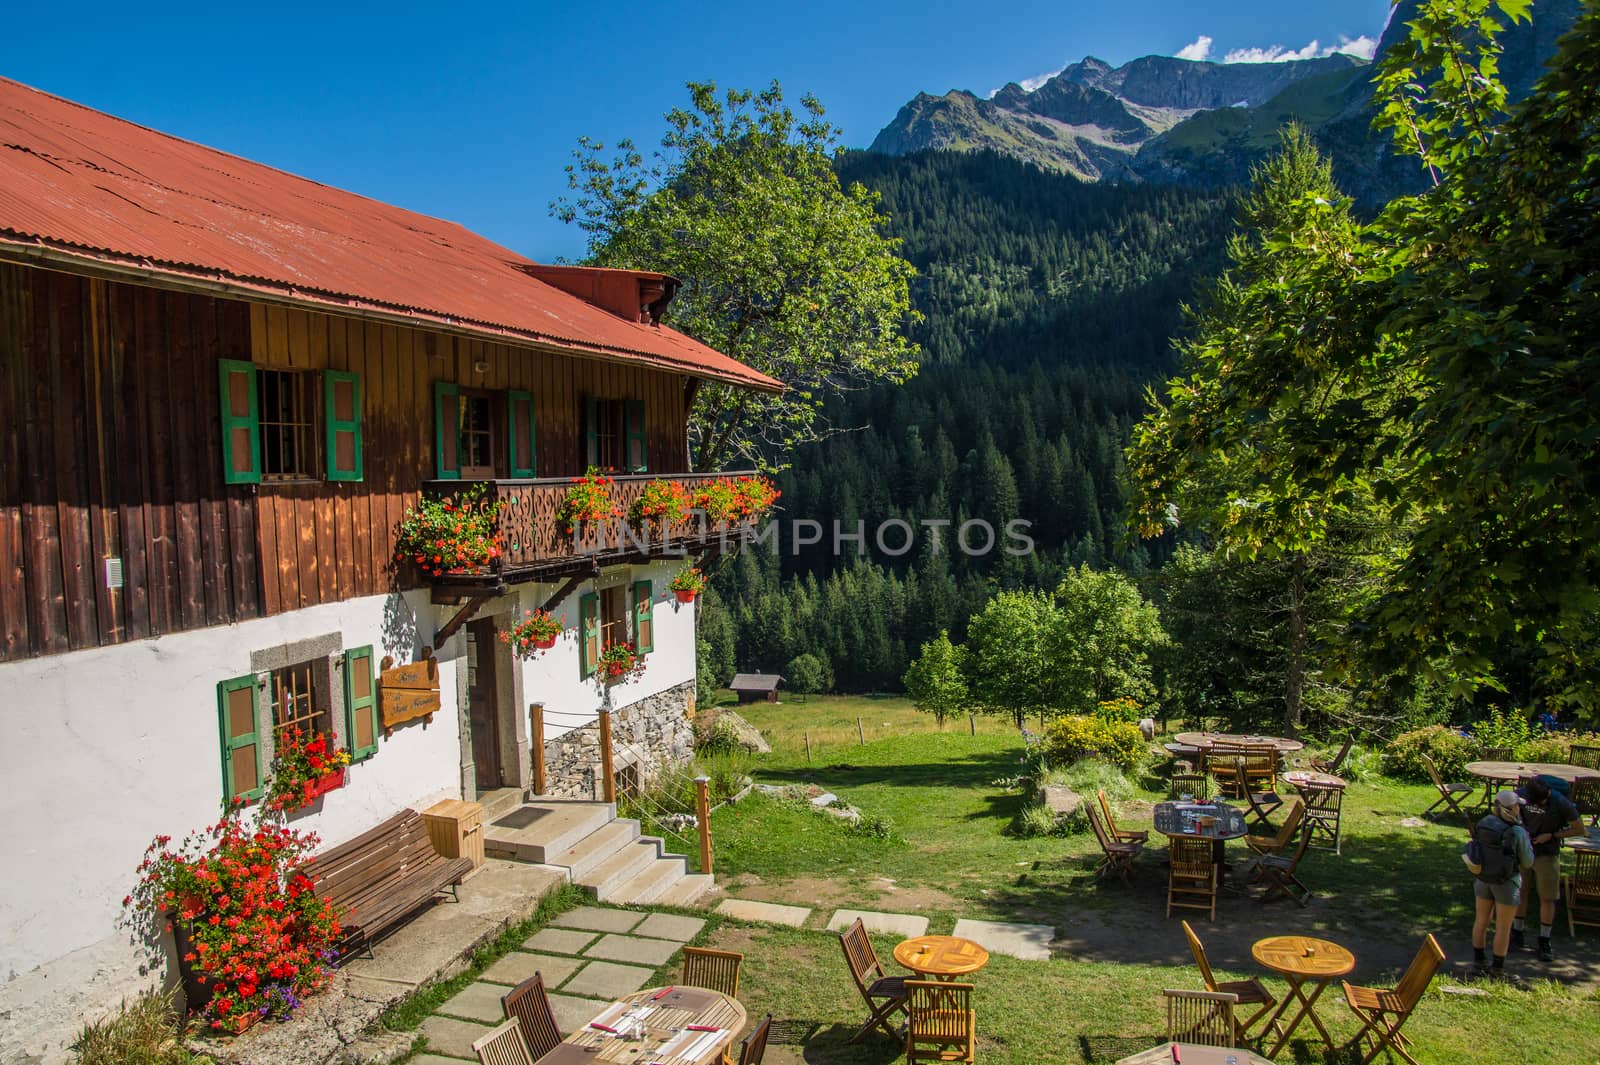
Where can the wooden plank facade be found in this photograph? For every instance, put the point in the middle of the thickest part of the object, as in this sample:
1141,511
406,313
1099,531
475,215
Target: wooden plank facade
111,448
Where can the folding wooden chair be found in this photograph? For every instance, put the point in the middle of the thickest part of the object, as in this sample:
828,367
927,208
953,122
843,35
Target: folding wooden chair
1261,766
1586,797
1322,815
1222,764
529,1006
754,1046
714,970
1203,1017
1262,804
1451,796
1284,836
1194,785
884,995
1585,755
503,1046
1115,857
1137,835
1251,992
1277,871
1383,1011
941,1026
1192,876
1331,766
1581,892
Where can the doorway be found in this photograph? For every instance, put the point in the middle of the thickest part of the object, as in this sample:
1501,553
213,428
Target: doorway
483,704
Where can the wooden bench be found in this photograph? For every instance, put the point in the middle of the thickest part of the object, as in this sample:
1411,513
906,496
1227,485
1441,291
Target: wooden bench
382,876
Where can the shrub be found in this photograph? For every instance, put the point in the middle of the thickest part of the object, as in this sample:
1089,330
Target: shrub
1121,708
808,674
1550,747
1070,738
1086,777
1449,750
1503,728
143,1032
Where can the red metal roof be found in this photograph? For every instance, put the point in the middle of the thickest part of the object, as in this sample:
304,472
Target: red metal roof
95,187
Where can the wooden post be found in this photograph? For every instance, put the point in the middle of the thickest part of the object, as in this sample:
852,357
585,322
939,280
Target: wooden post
972,724
608,780
861,732
808,746
536,729
702,805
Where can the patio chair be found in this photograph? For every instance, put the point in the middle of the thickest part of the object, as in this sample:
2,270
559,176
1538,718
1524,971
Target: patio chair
1331,766
1203,1017
1585,755
529,1006
942,1026
1192,876
1586,797
1196,785
1494,784
1251,992
1262,804
1115,857
1322,821
1383,1011
1263,845
1278,872
503,1046
884,995
1581,892
1451,796
1222,764
754,1047
714,970
1137,835
1261,766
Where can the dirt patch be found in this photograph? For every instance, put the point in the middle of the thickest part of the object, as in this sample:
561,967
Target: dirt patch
826,894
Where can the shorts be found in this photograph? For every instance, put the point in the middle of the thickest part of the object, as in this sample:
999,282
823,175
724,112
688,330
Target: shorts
1547,876
1505,893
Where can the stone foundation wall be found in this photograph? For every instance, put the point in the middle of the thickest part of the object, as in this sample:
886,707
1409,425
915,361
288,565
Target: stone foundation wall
647,737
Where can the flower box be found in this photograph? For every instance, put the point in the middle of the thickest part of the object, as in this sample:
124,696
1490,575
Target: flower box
331,782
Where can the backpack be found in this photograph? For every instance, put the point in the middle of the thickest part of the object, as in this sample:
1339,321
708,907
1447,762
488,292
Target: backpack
1492,854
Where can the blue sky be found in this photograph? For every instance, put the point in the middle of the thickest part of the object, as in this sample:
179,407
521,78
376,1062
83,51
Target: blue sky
470,114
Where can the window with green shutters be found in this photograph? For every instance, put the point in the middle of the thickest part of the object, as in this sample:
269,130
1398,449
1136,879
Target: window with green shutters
240,738
588,633
241,426
341,397
634,451
520,433
447,431
360,704
644,629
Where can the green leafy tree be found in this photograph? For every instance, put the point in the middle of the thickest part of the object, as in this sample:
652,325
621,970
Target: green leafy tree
937,681
1099,643
808,674
782,267
1008,664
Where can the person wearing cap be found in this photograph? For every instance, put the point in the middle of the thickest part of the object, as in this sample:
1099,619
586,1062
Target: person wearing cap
1549,818
1499,896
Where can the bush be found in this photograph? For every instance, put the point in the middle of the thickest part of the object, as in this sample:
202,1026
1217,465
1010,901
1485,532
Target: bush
1121,708
807,674
1070,738
144,1032
1503,728
1555,746
1449,750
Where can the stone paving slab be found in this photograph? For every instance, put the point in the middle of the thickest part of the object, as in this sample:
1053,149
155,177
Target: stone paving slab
476,1002
633,949
558,941
607,980
908,925
519,965
573,1013
766,912
1031,942
670,926
453,1038
597,919
432,1059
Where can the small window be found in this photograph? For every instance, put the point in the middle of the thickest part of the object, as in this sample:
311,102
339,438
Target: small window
608,434
300,700
477,435
616,436
613,615
288,418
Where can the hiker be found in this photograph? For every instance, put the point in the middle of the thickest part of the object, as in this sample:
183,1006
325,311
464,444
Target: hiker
1549,818
1502,850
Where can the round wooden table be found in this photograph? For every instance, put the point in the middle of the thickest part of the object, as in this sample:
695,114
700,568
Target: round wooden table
941,957
1204,740
665,1014
1302,960
1305,778
1528,770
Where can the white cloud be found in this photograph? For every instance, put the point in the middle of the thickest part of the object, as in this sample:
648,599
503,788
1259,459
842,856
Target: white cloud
1199,49
1364,47
1030,84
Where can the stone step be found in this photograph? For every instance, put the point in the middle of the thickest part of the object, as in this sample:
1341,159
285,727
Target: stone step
690,891
499,802
653,881
621,867
592,850
535,831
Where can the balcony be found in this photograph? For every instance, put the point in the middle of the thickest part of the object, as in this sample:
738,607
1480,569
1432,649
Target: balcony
536,547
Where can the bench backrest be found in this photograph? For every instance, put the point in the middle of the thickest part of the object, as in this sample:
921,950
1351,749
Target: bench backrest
361,866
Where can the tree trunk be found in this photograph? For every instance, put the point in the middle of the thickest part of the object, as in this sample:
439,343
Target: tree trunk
1294,680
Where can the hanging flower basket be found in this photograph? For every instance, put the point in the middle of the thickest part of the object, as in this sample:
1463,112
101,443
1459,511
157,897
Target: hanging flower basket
663,502
537,631
618,662
587,502
685,595
687,583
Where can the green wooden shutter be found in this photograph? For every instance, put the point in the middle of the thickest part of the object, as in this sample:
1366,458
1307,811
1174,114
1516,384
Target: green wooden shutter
634,436
591,431
644,629
447,431
519,431
241,426
360,704
588,634
341,398
240,735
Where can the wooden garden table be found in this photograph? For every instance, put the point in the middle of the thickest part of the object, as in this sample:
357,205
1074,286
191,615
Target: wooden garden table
1302,960
941,957
1204,740
667,1038
1194,1054
1528,770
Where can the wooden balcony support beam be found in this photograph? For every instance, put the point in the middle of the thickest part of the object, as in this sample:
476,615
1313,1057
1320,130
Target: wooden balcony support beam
567,588
461,617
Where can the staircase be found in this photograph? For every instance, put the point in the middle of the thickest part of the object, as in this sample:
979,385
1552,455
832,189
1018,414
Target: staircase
600,851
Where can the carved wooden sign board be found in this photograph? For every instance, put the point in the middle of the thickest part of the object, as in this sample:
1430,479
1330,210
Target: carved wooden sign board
408,692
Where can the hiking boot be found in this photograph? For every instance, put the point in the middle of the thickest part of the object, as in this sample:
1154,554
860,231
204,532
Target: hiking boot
1546,952
1518,941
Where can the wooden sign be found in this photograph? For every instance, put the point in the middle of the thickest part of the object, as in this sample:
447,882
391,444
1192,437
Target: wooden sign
408,692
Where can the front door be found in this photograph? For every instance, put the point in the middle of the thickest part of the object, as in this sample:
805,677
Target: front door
483,703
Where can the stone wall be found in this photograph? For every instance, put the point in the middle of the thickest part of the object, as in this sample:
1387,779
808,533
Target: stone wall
648,736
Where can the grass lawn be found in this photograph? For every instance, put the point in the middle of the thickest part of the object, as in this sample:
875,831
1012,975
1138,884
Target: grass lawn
949,856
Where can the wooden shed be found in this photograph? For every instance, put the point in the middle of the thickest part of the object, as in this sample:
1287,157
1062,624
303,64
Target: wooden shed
756,687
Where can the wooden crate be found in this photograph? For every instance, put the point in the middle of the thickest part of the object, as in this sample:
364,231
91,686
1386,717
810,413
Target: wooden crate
456,829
